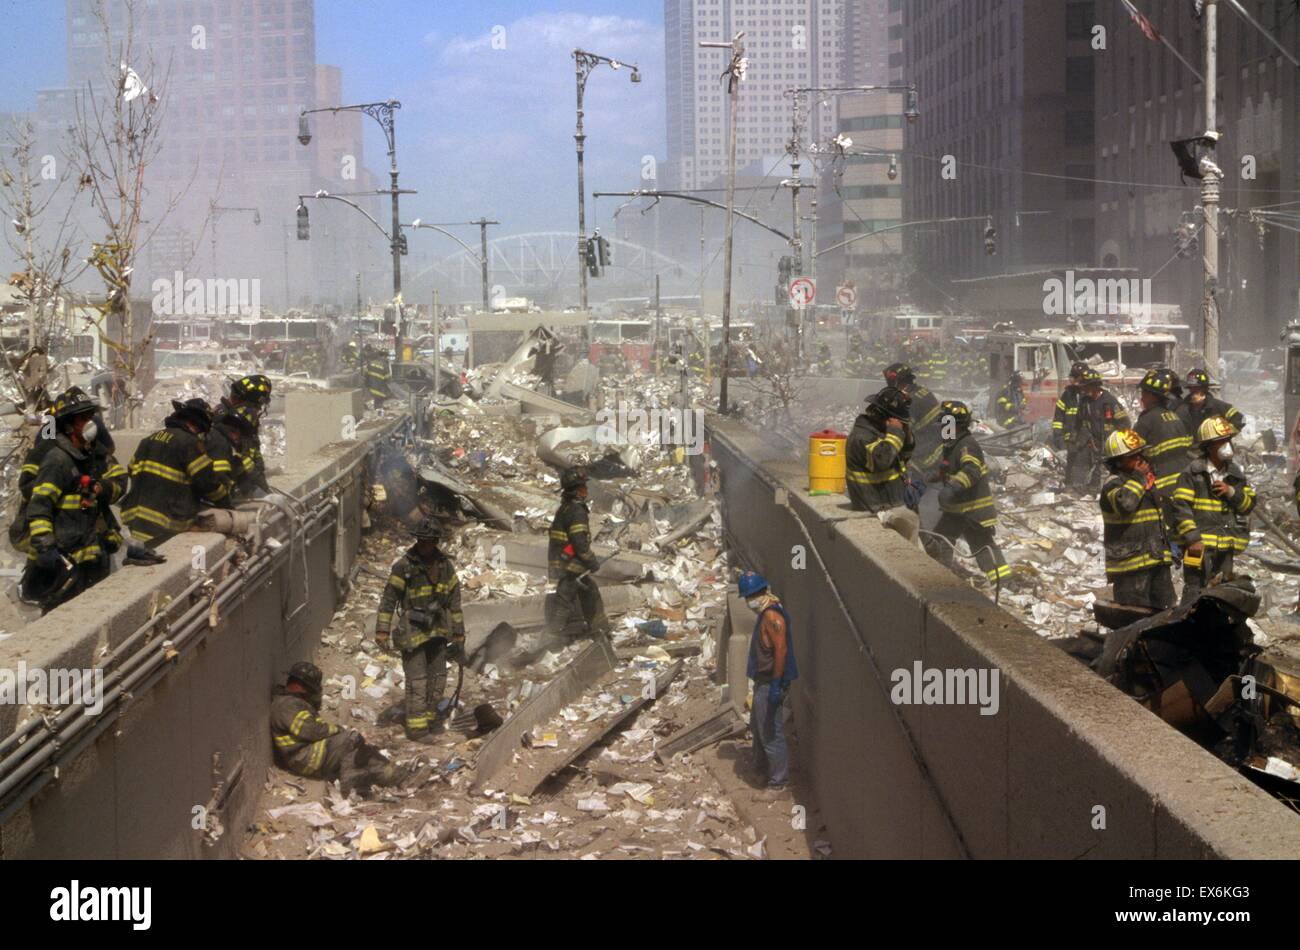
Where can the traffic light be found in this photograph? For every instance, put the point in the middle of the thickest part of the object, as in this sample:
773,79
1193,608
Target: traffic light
602,243
304,225
785,271
402,247
990,239
593,260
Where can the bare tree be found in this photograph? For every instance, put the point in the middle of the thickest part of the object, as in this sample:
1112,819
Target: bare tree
117,136
776,380
44,239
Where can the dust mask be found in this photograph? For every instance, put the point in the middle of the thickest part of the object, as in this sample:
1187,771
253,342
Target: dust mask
90,431
755,603
1225,452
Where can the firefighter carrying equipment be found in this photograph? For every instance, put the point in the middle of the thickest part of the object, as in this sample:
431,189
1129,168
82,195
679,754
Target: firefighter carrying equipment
569,546
427,594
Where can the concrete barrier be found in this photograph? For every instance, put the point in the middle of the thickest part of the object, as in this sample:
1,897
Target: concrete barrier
138,789
1068,766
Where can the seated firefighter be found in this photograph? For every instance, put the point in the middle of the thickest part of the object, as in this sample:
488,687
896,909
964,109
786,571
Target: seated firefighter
307,745
424,588
172,475
71,530
577,608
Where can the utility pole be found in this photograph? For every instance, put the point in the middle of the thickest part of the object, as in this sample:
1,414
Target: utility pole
735,74
482,234
437,351
659,323
699,310
1210,188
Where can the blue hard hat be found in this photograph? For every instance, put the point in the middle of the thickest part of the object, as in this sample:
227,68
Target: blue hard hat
751,584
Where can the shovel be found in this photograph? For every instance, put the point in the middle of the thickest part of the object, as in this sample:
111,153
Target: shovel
483,718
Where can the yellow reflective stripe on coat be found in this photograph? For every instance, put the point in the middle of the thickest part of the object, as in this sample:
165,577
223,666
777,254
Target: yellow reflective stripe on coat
1140,562
873,478
141,513
148,467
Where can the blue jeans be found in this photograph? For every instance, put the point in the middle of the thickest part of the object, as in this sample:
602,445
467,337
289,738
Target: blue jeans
767,725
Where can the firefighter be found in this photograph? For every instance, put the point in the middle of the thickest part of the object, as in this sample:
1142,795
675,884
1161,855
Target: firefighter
1067,409
307,745
879,449
72,533
825,361
1167,442
377,374
254,394
773,668
1132,512
172,475
232,446
1100,414
1212,502
1199,404
966,499
1010,411
936,368
424,587
578,607
924,413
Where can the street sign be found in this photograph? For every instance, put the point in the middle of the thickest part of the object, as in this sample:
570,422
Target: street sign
847,297
803,292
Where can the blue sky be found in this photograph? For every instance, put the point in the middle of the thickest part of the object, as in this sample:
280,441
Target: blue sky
482,130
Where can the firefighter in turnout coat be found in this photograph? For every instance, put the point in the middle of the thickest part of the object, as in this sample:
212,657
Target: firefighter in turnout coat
305,744
578,608
1132,512
1211,508
424,588
966,499
172,475
879,449
71,530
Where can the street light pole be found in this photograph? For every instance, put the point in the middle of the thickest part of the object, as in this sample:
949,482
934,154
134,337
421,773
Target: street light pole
1210,189
482,236
584,64
735,74
385,114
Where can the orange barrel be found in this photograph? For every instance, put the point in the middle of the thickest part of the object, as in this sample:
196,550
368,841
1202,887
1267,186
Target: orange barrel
827,461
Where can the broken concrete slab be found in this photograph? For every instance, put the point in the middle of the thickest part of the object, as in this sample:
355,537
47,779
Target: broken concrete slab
589,666
530,555
547,404
532,777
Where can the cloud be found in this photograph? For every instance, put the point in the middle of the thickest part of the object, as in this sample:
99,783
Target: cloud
503,109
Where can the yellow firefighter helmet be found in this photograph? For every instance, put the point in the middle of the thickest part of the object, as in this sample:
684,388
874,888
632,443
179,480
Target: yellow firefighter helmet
1121,444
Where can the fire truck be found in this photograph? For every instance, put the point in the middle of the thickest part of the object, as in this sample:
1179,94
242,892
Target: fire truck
1044,358
634,339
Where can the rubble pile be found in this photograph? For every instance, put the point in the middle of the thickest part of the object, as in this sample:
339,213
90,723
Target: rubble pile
615,799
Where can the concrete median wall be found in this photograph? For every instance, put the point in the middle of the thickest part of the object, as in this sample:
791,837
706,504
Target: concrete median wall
1068,766
133,791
